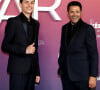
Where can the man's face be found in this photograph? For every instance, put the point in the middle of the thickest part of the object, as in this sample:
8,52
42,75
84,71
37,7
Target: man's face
74,14
27,6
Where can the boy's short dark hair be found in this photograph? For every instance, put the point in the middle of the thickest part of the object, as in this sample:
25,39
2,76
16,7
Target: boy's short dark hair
22,1
74,3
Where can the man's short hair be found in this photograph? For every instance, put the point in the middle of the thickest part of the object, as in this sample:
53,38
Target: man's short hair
21,1
74,3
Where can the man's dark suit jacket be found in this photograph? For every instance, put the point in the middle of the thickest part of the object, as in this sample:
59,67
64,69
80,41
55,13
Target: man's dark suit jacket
15,43
80,58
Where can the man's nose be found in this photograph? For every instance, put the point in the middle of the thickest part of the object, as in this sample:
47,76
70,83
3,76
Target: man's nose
74,13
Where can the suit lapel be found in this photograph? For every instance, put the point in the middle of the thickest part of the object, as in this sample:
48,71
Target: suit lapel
21,28
66,33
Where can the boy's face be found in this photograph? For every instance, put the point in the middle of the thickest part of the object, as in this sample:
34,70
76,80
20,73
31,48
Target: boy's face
27,6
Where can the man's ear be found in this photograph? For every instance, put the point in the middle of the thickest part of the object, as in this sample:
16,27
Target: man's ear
81,13
67,13
20,5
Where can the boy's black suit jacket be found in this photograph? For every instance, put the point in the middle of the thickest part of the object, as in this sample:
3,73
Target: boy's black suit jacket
15,43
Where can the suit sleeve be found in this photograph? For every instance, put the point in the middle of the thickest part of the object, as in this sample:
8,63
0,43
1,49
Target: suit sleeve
62,52
37,69
92,51
8,44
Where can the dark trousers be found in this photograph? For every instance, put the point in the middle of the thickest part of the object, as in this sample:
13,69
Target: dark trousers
21,82
74,85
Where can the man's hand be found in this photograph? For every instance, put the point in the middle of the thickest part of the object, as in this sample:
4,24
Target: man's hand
92,82
37,79
30,49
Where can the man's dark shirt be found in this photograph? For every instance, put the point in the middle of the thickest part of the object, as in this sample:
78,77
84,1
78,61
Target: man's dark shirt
72,30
